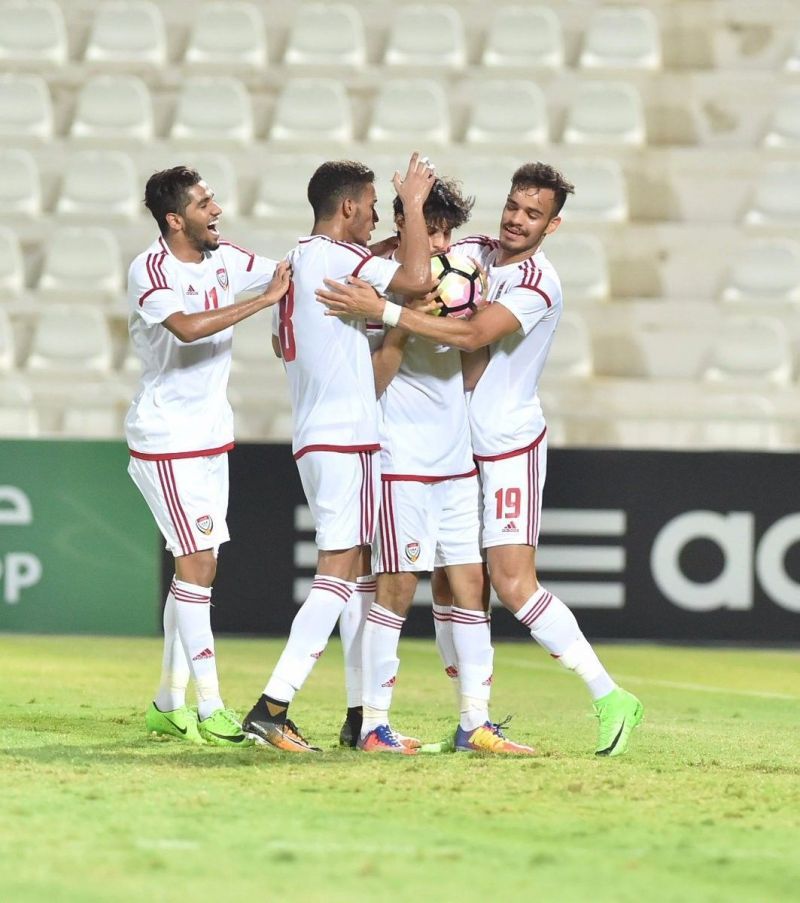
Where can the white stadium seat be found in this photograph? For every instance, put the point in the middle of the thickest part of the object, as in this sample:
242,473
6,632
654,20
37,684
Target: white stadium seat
508,112
581,263
18,418
608,113
7,344
227,35
70,339
751,349
95,422
326,35
218,172
410,112
12,265
792,63
621,38
488,179
32,32
127,32
431,35
20,185
784,128
601,195
82,263
213,110
570,354
99,184
528,37
310,110
113,107
282,187
776,196
765,270
26,110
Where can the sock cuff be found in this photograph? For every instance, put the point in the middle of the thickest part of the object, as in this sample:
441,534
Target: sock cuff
367,584
468,616
189,592
343,589
442,612
534,607
384,618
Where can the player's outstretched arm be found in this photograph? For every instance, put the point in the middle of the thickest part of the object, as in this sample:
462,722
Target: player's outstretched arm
357,298
191,327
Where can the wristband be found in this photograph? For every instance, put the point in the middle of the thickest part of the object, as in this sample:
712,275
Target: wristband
391,313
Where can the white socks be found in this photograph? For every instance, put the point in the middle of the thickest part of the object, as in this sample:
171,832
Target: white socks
311,629
381,637
175,670
193,619
554,627
351,630
443,629
473,646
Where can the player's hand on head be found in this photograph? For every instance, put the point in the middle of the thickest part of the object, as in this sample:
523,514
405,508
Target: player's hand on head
355,298
416,185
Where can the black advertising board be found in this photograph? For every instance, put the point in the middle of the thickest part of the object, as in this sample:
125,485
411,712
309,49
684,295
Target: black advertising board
642,545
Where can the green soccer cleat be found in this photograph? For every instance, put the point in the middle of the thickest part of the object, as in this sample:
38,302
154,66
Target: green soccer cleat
224,728
180,723
618,713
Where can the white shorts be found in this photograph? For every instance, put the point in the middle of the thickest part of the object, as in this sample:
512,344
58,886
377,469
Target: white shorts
188,498
512,497
342,493
427,525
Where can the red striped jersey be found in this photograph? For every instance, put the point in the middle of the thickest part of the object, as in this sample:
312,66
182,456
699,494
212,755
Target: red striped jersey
181,407
505,412
327,360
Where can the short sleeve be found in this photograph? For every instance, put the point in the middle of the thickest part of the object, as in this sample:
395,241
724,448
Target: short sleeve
247,271
150,291
378,271
531,300
478,247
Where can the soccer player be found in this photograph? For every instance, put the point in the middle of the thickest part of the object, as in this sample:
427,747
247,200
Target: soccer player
333,390
429,516
179,426
508,428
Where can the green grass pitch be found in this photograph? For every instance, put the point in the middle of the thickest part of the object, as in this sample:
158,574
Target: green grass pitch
705,806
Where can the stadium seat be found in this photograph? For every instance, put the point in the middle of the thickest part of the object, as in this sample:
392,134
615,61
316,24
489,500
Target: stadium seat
227,35
99,184
601,195
218,172
18,418
327,35
213,110
621,38
524,37
252,346
776,196
252,423
792,63
508,112
784,128
12,265
281,192
606,113
311,110
411,112
33,32
70,338
570,354
127,32
20,186
82,262
113,107
581,263
93,422
751,349
26,111
426,36
765,270
488,179
7,344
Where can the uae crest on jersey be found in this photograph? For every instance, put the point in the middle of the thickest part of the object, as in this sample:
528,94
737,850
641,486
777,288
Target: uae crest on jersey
222,278
205,524
412,551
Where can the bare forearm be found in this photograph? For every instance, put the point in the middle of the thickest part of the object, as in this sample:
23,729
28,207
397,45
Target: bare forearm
414,276
472,367
459,334
387,359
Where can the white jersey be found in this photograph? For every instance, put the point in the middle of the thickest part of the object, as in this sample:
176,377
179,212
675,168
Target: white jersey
422,414
181,408
505,413
327,360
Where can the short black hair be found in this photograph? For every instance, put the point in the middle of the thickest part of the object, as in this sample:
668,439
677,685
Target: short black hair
167,191
334,182
542,175
445,205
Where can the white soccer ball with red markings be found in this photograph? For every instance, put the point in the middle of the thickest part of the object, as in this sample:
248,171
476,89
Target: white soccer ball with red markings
461,288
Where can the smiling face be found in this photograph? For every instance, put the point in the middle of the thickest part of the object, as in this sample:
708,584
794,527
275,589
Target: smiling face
527,218
200,218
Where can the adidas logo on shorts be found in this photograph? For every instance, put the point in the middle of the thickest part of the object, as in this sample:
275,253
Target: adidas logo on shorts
510,527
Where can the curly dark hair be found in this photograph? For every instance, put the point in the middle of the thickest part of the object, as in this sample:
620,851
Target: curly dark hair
335,181
167,191
445,205
542,175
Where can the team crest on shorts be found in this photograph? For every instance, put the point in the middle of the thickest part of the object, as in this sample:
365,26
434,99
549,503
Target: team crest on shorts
205,524
222,277
412,551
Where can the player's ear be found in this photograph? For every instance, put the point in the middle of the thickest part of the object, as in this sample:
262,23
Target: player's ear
554,223
174,221
348,207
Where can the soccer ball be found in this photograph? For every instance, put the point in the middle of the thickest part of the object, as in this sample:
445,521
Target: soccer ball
461,289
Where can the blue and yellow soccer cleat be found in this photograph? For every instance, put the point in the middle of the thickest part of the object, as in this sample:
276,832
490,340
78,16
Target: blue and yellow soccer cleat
180,723
618,713
489,738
